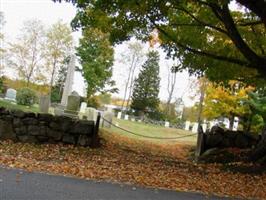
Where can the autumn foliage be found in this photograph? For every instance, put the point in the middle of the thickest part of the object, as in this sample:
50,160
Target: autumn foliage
167,166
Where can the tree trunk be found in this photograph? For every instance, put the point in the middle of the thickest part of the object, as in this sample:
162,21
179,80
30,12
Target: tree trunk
127,82
52,76
231,122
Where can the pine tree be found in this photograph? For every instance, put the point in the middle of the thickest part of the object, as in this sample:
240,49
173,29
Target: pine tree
147,85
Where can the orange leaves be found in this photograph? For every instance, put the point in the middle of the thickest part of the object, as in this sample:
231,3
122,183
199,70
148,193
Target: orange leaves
141,163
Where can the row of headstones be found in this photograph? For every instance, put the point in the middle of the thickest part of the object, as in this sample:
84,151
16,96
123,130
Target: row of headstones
126,117
188,125
84,112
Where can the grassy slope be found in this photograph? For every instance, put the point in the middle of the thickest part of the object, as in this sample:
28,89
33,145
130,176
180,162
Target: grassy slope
9,105
151,130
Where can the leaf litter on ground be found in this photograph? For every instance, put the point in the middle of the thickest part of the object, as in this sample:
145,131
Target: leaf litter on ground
128,161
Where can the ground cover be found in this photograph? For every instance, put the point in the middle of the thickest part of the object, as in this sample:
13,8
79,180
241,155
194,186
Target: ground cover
152,130
139,162
10,105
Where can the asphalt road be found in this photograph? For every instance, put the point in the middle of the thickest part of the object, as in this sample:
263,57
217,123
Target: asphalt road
17,184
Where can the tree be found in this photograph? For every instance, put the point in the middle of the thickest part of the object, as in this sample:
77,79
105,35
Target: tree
58,87
226,101
147,85
58,45
132,59
2,51
208,36
171,82
96,57
26,54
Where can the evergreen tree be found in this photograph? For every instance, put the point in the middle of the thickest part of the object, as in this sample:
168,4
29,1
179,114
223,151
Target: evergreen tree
147,85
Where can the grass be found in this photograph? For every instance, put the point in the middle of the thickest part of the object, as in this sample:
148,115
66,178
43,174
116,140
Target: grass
151,130
10,105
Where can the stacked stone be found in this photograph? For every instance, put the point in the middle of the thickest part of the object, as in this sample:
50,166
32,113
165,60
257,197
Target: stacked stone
44,128
218,137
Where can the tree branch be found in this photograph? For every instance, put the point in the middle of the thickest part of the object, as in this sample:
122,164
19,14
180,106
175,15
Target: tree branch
202,22
253,23
203,53
235,36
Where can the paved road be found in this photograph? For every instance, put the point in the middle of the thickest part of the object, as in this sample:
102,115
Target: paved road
17,184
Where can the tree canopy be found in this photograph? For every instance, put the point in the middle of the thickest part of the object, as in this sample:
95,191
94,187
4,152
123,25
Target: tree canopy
208,36
146,87
96,57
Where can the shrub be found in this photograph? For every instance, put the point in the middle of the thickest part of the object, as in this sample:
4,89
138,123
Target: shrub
55,95
26,96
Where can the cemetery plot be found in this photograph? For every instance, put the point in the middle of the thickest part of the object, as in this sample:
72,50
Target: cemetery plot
151,130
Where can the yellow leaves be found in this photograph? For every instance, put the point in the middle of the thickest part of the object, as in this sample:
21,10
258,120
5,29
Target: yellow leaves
226,101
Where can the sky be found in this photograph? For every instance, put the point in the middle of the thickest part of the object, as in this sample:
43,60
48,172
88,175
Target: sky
17,11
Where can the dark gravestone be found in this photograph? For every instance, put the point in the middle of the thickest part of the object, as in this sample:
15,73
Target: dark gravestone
200,142
72,108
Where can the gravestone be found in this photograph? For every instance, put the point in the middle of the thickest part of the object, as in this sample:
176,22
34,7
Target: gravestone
82,110
83,107
139,120
187,125
91,114
69,81
11,94
72,107
235,125
201,140
212,123
195,128
44,104
167,124
59,110
126,117
133,119
119,115
109,117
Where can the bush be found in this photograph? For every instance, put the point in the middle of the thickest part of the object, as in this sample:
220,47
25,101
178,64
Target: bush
26,96
93,102
55,95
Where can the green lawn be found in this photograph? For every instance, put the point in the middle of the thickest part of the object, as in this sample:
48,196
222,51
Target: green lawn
10,105
151,130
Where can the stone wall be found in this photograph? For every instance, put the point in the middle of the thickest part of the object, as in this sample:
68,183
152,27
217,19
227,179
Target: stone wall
45,128
220,138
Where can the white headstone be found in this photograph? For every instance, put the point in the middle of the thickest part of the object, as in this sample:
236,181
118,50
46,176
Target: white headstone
69,81
167,124
11,94
212,123
91,114
195,128
44,104
187,125
139,120
108,116
235,126
133,119
226,123
126,117
83,107
119,114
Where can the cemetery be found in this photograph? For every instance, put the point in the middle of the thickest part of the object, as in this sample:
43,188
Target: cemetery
132,99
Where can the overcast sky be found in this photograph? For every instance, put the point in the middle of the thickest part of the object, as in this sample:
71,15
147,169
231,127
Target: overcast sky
17,11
